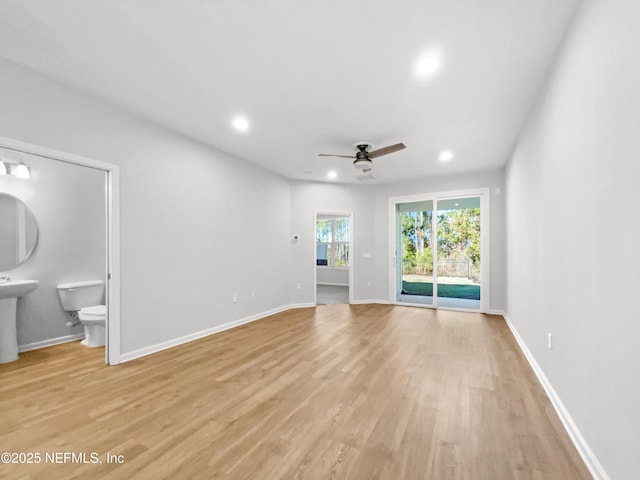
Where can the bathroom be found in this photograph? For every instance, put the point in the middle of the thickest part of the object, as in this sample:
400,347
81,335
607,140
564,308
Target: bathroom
68,202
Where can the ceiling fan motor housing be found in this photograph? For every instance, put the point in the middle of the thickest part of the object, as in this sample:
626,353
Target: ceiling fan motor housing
363,146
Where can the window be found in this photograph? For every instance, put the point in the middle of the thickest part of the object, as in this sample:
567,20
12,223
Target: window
332,242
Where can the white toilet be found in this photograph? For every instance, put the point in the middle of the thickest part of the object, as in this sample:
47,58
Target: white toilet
86,298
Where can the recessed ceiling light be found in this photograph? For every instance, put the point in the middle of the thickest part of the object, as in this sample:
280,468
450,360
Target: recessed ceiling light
446,156
240,123
428,65
332,174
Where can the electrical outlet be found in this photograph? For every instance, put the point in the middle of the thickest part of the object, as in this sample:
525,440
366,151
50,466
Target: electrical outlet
234,299
253,294
298,286
369,283
550,341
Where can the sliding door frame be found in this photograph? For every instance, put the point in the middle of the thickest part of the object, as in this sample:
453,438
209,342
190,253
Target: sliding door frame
395,246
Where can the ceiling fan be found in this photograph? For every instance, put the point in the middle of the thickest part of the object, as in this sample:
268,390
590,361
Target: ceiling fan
362,158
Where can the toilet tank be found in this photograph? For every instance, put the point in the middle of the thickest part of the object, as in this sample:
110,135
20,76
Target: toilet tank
77,295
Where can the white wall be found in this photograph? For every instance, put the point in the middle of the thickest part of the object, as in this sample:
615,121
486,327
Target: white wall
370,205
574,229
306,199
68,202
191,235
332,276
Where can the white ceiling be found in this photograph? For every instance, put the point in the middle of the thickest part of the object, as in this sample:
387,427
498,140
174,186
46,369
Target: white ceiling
312,77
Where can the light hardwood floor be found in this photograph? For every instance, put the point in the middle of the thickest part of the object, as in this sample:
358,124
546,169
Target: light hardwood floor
335,392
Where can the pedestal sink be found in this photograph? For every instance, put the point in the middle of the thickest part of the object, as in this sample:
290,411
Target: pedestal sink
9,293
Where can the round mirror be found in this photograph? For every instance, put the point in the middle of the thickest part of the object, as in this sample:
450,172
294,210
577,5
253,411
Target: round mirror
18,232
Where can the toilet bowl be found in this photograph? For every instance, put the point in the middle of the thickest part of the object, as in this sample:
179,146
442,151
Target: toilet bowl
83,300
94,320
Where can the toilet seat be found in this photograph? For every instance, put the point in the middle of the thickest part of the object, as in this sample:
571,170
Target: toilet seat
95,313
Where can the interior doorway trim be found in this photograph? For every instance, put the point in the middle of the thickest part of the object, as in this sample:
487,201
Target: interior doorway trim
112,348
484,194
351,255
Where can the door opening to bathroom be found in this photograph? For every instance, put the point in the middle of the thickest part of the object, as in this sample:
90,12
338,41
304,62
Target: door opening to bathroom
76,204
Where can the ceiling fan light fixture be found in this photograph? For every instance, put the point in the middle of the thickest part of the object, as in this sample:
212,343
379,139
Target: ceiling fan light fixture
362,163
362,159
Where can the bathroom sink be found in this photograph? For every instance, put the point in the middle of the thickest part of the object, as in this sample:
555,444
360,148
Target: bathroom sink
9,293
17,288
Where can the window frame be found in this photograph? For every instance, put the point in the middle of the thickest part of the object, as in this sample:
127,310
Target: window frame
333,246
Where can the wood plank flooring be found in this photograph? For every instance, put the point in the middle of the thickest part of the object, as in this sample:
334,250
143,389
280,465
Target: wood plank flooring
333,392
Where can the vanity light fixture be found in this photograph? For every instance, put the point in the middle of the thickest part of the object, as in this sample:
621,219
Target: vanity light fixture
22,171
19,170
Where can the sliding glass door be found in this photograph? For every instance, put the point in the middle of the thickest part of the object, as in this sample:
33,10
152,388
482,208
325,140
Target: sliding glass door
458,253
415,254
438,250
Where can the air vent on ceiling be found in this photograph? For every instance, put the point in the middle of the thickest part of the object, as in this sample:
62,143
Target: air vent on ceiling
365,178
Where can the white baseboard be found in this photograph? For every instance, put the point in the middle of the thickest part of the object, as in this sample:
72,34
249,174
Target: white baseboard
365,302
578,440
50,342
294,305
125,357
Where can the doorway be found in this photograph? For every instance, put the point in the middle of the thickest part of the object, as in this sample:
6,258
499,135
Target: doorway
111,232
333,233
439,250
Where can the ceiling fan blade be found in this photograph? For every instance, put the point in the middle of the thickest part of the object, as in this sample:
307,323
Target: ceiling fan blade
386,150
331,155
366,170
